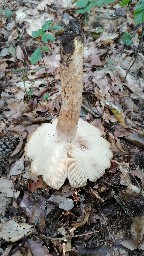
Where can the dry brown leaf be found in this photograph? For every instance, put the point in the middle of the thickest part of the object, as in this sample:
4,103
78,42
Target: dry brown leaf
137,230
4,202
95,61
19,53
129,244
19,146
33,185
107,38
14,35
126,181
6,187
139,174
129,82
64,203
17,167
16,108
52,62
37,248
4,52
34,209
63,3
11,231
136,139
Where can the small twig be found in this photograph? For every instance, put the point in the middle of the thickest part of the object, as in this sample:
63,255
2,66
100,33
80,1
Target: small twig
7,251
136,53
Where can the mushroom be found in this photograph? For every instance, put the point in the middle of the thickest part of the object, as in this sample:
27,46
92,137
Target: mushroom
69,147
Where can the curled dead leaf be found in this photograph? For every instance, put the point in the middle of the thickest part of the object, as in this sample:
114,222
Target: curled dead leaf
136,139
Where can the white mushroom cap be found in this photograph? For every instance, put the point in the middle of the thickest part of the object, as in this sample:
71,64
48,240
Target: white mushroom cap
85,158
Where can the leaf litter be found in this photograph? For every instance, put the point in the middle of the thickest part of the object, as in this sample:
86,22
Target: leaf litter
104,218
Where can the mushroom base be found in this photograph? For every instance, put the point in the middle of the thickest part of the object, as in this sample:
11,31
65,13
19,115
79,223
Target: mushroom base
85,158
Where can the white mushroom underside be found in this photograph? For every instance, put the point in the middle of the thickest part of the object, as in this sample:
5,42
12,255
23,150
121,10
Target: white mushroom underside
86,158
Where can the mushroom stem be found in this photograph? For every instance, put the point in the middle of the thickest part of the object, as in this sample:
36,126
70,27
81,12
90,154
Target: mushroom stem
71,72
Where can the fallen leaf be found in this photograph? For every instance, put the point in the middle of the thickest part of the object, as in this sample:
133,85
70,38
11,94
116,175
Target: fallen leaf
17,167
4,202
19,53
95,61
137,230
64,203
107,38
4,52
13,35
37,248
11,231
129,244
34,209
33,185
126,181
139,174
136,139
19,146
6,187
117,112
128,80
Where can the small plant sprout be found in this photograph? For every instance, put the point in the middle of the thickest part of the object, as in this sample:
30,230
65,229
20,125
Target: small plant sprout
69,147
46,36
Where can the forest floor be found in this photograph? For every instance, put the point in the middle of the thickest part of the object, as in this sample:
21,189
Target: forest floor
106,217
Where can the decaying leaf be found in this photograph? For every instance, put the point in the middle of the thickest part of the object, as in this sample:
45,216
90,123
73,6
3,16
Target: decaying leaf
126,181
64,203
34,209
117,112
136,139
19,53
17,168
128,80
107,38
4,202
137,230
37,248
33,185
19,146
11,231
6,187
95,60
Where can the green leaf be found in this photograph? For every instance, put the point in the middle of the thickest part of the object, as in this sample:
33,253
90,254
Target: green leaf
103,2
36,56
127,38
46,96
56,27
86,9
139,13
124,2
45,49
82,3
38,33
8,13
48,37
47,24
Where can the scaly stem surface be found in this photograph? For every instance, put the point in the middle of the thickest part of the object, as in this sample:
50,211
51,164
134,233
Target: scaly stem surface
71,72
